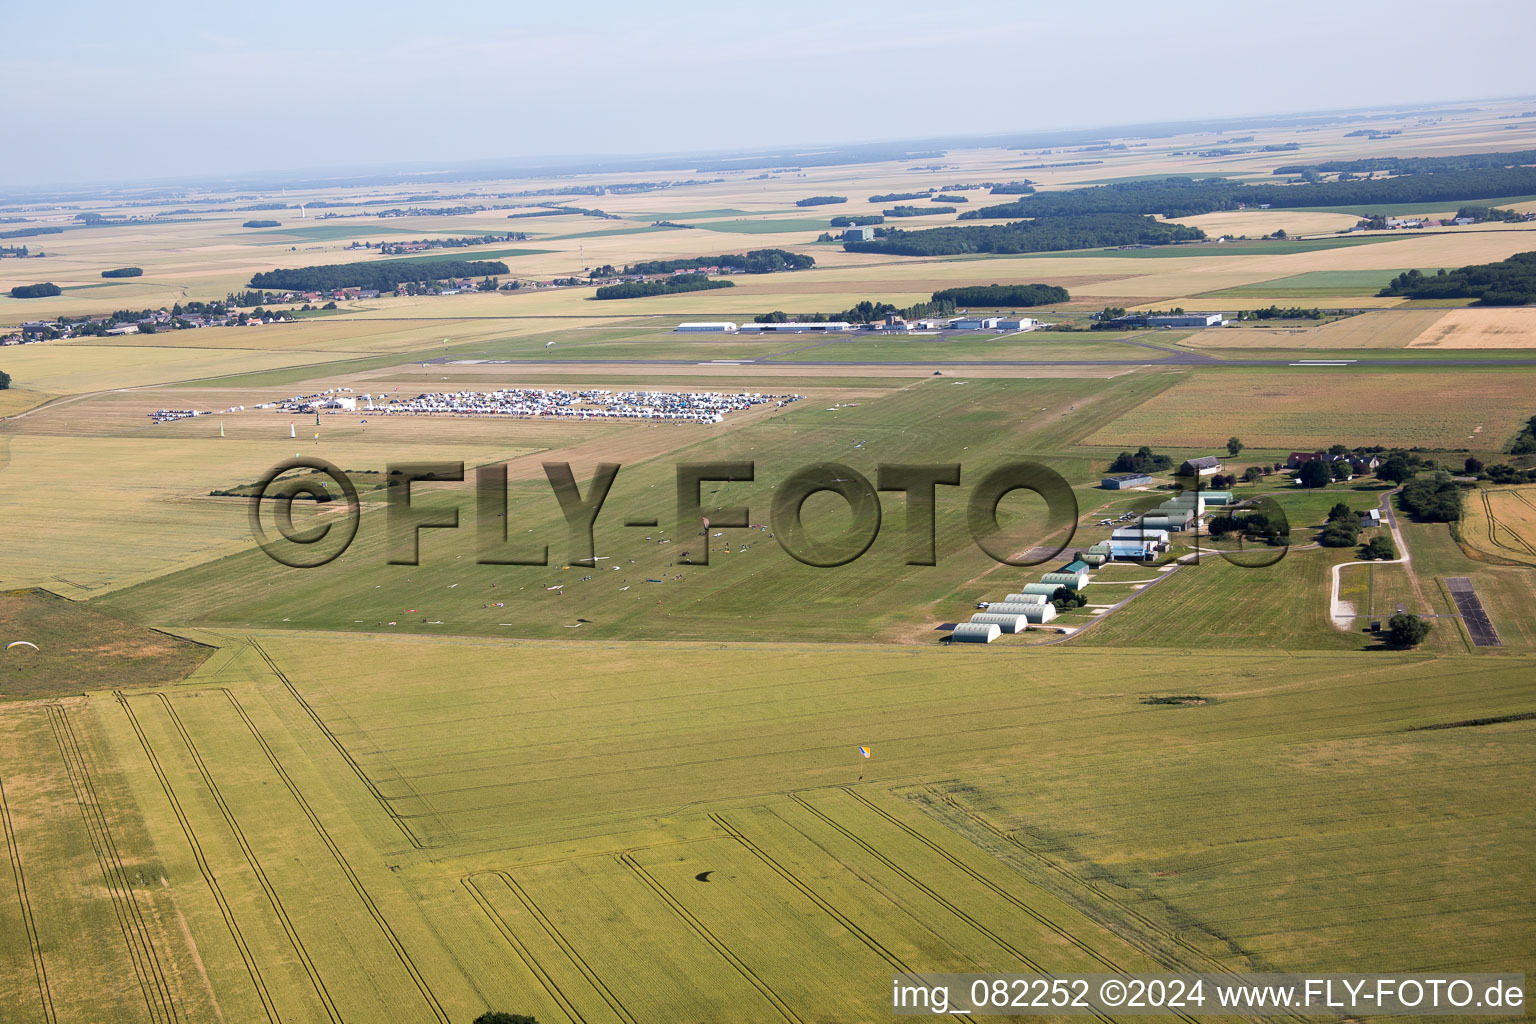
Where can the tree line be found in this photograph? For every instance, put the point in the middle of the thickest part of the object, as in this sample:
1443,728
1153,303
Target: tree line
670,286
996,296
124,272
916,211
1050,234
1190,197
757,261
864,312
821,200
382,276
858,220
1510,282
1417,164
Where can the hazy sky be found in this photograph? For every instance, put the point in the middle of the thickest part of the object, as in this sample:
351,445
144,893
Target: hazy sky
102,90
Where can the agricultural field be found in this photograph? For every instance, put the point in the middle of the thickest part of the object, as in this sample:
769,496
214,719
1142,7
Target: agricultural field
1316,407
626,785
1501,524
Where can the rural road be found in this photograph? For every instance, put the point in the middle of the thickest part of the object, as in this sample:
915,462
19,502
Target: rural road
1343,612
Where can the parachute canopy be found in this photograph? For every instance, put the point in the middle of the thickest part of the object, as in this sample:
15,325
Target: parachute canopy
21,643
864,751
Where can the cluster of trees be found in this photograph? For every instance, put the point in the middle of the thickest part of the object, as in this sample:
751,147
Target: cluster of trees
5,380
30,232
1510,282
35,291
1417,164
1435,498
1281,313
996,296
670,286
1045,235
1404,629
1067,598
821,200
757,261
916,211
864,312
1256,525
1013,188
1500,473
858,220
1188,197
1144,460
896,197
1343,527
949,199
262,224
1378,548
383,276
1483,214
1525,441
124,272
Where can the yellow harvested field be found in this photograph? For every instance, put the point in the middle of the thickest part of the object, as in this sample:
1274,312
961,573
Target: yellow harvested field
1255,223
77,368
15,400
1302,408
1480,328
1387,328
1501,522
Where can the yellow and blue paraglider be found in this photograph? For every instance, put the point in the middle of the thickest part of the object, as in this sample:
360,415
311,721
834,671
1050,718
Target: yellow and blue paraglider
21,643
864,751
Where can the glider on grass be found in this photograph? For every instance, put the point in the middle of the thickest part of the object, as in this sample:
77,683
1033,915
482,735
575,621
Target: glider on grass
21,643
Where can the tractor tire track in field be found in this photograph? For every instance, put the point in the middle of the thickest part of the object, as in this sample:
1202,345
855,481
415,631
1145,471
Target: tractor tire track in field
471,882
203,867
827,908
20,878
986,883
710,938
911,879
523,953
1495,525
357,769
341,862
315,980
1145,937
158,998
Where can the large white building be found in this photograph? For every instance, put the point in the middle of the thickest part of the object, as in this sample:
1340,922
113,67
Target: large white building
795,327
707,327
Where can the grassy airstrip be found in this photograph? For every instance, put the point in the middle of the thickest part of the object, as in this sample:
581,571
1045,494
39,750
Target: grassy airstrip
633,793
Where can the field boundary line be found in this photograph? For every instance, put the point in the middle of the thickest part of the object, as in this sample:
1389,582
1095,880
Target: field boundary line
250,856
341,861
346,755
141,948
523,953
202,863
710,938
20,878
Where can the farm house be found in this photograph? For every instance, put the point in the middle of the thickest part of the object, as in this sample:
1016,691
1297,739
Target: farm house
1203,466
976,632
1007,623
